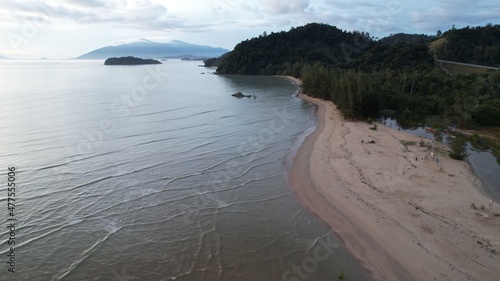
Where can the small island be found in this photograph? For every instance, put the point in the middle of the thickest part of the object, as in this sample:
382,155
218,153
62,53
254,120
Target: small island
130,61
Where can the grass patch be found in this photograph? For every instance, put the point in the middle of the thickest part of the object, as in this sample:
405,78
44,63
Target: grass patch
436,44
408,143
422,143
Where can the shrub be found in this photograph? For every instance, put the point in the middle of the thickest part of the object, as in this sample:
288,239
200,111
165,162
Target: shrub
458,149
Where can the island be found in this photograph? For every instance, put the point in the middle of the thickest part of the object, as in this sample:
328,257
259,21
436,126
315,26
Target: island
130,61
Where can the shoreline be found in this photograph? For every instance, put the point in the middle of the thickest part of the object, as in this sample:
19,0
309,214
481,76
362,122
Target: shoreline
394,210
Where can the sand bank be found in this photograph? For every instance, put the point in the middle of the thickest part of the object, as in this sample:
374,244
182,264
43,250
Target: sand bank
399,213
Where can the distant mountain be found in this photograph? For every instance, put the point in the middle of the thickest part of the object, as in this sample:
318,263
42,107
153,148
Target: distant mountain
148,49
4,58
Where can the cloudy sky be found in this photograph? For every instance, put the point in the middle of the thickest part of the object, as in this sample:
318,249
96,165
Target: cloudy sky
69,28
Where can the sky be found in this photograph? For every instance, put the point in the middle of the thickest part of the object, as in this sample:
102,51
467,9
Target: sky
60,29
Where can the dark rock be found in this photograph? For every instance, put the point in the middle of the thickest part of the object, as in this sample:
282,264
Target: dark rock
241,95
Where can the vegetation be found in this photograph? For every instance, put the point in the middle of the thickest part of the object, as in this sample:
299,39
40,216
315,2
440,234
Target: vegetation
215,62
341,276
476,45
288,52
408,143
459,149
130,61
406,38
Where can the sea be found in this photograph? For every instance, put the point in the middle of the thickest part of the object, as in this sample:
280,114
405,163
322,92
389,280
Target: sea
155,172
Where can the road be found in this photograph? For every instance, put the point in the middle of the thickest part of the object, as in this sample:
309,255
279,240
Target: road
468,64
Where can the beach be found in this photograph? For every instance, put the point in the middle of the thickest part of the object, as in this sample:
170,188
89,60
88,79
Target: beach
404,210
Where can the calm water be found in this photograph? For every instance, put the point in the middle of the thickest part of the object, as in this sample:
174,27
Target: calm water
146,173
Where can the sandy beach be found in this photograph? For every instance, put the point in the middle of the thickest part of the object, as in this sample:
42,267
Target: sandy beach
403,216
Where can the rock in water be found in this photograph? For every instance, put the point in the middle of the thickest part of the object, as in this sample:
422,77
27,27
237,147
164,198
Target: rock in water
241,95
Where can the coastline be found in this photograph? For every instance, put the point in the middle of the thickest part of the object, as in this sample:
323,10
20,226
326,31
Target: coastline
399,214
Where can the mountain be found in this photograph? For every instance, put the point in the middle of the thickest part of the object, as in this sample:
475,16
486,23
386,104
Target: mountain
149,49
4,58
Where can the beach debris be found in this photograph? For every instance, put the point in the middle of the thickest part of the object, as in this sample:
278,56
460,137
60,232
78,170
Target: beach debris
483,215
473,206
372,141
483,207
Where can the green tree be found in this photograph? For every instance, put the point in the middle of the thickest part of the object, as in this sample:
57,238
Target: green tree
459,149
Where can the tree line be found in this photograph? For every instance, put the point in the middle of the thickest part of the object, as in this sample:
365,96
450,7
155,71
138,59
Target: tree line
410,95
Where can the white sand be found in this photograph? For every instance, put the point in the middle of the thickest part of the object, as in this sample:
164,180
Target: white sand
402,217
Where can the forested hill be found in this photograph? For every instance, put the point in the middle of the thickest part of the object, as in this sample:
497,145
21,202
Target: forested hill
286,53
476,45
281,52
406,38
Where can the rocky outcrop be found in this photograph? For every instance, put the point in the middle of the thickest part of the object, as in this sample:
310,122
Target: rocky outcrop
241,95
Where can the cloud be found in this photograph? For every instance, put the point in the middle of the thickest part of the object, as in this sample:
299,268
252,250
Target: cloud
87,3
355,4
459,12
227,22
279,7
136,13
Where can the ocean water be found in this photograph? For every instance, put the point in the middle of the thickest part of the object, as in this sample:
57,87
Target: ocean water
155,173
